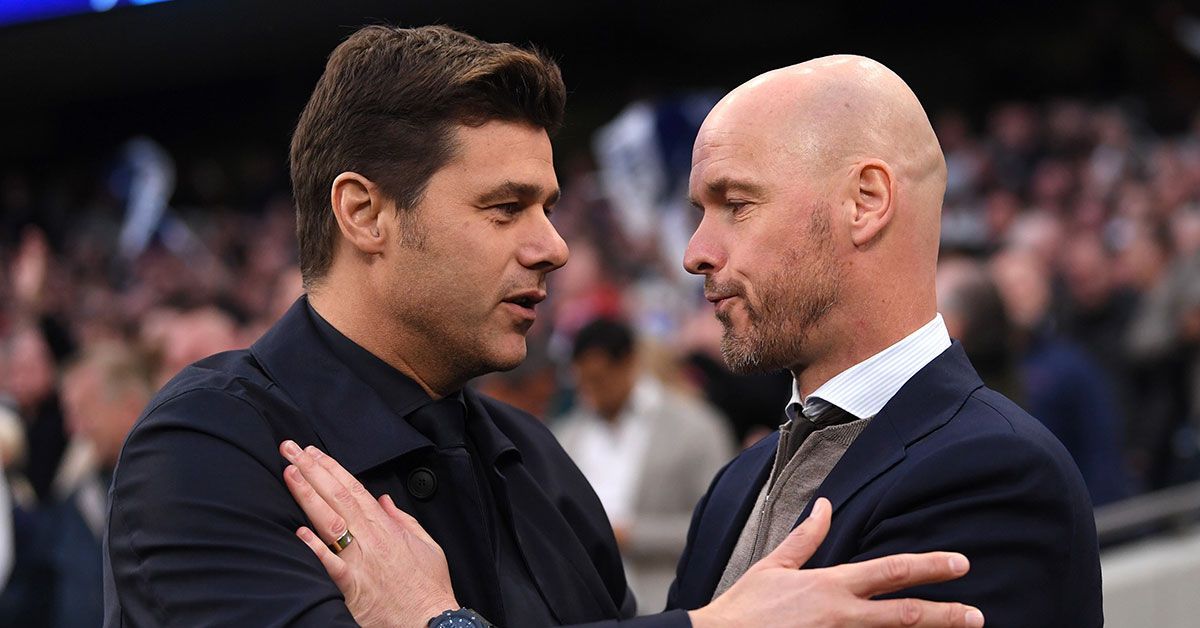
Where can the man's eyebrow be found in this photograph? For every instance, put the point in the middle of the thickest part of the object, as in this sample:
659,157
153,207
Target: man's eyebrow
724,185
522,191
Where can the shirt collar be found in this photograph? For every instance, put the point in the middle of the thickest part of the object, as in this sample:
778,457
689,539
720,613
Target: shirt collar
399,392
403,395
863,389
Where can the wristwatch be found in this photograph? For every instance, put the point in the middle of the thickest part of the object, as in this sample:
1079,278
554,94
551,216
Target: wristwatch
461,618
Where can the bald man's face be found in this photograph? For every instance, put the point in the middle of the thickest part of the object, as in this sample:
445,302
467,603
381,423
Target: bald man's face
764,243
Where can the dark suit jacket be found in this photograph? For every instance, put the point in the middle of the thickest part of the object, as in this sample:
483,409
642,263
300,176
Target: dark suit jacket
201,526
946,465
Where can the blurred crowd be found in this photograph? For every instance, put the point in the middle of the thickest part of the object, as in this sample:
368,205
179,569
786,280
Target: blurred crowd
1070,272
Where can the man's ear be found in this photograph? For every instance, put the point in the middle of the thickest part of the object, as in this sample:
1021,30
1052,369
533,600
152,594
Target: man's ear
874,198
359,209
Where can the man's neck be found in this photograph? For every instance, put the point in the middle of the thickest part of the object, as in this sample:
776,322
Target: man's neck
853,346
340,311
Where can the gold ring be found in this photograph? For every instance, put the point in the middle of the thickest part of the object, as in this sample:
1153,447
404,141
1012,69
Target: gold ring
342,542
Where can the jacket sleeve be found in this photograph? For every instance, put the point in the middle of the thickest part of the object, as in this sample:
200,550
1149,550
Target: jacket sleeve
1018,510
202,528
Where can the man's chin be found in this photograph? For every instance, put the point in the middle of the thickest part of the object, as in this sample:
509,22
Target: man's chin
508,357
742,358
738,358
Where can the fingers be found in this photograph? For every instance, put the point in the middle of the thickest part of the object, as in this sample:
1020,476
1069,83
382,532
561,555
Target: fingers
802,542
336,567
900,571
339,473
346,499
329,525
918,613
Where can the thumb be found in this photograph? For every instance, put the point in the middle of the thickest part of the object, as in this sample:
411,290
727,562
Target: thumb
802,542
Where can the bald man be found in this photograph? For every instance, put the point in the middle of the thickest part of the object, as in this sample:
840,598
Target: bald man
821,186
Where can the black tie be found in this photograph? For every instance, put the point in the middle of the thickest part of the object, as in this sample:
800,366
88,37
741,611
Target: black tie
451,506
803,426
443,421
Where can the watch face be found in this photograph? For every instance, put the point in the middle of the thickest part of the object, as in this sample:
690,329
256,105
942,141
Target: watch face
461,618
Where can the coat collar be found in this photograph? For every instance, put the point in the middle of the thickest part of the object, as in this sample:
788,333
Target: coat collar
490,441
355,425
358,427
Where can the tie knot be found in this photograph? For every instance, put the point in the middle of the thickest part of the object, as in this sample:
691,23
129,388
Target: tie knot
443,421
823,413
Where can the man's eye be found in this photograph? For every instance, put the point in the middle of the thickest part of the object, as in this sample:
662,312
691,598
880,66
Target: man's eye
508,208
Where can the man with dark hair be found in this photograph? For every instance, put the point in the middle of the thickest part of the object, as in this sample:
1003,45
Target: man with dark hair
647,448
612,338
424,184
387,108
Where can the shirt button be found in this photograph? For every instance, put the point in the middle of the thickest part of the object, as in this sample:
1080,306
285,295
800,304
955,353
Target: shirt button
422,483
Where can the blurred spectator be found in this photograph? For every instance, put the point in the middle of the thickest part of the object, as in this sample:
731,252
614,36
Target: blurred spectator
648,450
1062,387
1096,311
30,379
104,392
181,338
1013,145
57,581
1163,341
975,316
9,422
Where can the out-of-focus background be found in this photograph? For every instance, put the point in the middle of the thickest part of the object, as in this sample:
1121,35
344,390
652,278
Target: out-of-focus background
146,222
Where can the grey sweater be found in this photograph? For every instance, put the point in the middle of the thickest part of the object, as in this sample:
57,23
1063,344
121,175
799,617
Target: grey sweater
801,464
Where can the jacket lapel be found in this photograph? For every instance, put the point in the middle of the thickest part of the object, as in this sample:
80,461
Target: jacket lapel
925,403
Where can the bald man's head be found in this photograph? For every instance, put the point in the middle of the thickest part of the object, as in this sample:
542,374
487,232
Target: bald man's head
832,111
821,185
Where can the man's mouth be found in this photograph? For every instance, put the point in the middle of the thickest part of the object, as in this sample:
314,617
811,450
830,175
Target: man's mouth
718,299
526,301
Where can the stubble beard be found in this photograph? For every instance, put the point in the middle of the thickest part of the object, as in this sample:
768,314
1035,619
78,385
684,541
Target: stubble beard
792,302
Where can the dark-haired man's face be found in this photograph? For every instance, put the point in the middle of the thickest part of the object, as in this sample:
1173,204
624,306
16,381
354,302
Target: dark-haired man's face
604,383
467,287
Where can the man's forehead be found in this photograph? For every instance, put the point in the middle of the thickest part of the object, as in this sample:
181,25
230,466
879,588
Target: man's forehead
729,154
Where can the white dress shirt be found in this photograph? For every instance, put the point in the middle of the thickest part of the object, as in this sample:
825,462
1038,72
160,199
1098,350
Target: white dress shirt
863,389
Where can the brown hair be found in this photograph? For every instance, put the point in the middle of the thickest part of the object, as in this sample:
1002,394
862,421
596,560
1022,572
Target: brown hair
386,108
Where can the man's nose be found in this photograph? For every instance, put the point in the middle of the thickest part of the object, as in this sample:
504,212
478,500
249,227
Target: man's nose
703,255
546,251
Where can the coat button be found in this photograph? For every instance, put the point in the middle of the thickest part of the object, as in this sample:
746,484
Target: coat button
422,483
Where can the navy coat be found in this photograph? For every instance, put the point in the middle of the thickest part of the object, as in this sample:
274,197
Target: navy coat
201,526
948,464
